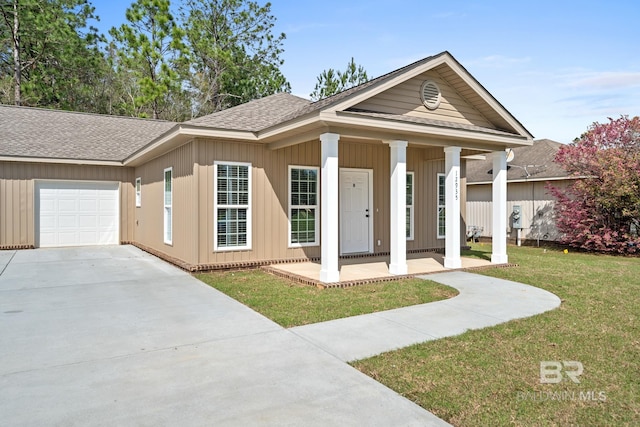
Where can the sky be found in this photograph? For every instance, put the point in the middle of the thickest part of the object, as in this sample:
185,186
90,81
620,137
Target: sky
558,66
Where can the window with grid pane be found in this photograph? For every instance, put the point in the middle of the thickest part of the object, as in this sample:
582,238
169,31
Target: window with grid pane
303,206
232,206
168,206
441,204
409,203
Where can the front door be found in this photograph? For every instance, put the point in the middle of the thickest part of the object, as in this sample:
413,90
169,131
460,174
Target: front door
355,230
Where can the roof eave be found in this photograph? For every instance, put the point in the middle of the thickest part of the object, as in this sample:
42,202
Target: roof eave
65,161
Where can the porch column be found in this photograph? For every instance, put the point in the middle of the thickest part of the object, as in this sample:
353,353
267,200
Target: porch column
452,207
329,271
398,264
499,197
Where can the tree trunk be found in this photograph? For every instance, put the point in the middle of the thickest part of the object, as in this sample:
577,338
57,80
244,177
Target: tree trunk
17,66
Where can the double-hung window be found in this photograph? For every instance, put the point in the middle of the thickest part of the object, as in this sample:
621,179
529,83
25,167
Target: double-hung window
232,206
410,210
441,205
303,206
138,192
168,203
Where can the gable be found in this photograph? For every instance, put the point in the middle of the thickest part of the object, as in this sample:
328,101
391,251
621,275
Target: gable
459,102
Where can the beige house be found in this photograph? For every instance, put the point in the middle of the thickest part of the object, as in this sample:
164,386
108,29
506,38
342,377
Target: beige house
528,174
376,169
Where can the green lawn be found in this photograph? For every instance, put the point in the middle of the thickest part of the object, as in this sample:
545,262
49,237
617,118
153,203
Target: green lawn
290,304
491,377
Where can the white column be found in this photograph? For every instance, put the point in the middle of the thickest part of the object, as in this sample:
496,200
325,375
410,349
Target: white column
499,197
329,271
452,207
398,264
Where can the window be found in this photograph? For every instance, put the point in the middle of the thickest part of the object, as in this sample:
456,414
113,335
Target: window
303,206
441,205
232,206
168,200
138,192
410,181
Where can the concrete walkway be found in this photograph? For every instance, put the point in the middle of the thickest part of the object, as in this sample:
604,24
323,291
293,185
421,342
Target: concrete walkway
483,301
113,336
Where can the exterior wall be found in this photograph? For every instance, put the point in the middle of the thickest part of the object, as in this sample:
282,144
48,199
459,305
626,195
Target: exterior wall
17,189
404,99
193,198
149,217
536,203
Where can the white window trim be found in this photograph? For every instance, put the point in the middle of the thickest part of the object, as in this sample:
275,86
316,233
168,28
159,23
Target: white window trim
139,192
316,242
412,206
439,176
216,206
167,225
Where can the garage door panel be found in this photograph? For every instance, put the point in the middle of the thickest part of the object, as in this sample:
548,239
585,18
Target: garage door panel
77,213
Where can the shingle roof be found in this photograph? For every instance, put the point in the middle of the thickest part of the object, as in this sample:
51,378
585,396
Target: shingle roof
254,115
534,162
36,132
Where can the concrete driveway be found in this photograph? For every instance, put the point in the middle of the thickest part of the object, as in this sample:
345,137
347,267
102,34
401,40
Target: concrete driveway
114,336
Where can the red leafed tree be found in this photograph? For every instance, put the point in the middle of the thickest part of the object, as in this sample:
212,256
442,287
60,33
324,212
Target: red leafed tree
600,211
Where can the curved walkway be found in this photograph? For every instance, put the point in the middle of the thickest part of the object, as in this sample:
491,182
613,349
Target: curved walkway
483,301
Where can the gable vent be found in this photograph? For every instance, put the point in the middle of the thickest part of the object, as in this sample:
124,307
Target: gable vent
430,95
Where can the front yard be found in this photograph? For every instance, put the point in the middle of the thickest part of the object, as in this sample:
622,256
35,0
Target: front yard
492,376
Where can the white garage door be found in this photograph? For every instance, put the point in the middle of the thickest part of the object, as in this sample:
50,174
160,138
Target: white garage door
71,213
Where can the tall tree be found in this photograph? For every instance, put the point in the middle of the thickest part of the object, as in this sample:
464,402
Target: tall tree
151,49
235,55
47,54
601,210
330,81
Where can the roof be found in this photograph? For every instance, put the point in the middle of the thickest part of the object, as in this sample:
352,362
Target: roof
55,134
530,163
254,115
279,120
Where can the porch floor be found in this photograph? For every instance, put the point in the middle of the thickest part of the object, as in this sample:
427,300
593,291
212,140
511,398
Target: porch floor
377,267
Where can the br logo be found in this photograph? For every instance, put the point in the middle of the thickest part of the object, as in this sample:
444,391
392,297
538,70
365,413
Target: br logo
551,372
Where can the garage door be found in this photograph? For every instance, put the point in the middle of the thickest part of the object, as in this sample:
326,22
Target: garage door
72,213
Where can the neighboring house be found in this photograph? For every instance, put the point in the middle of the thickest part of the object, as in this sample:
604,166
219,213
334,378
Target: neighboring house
378,168
527,177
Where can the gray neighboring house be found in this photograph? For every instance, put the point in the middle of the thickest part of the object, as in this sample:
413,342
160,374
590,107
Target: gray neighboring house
527,176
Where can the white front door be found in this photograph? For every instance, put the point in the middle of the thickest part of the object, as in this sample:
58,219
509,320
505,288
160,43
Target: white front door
355,215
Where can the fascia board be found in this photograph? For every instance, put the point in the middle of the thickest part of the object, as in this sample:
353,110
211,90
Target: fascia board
61,161
180,135
422,129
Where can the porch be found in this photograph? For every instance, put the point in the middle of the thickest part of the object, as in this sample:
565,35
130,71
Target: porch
366,269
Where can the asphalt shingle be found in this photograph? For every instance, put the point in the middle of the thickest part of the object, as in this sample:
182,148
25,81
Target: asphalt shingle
530,162
36,132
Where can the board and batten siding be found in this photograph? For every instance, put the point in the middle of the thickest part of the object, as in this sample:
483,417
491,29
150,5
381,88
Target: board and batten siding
404,99
270,194
17,196
149,217
534,199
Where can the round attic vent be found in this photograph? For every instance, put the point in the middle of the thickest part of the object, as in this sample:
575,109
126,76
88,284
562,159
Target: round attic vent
430,94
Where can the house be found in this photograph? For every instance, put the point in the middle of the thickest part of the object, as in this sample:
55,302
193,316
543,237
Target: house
376,169
528,173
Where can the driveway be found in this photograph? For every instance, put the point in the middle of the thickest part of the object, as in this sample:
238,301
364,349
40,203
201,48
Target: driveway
114,336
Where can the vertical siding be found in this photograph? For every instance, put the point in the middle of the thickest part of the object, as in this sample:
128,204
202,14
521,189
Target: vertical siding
17,196
534,199
149,217
270,193
404,99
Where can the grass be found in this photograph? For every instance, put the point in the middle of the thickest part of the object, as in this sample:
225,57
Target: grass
290,304
492,376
